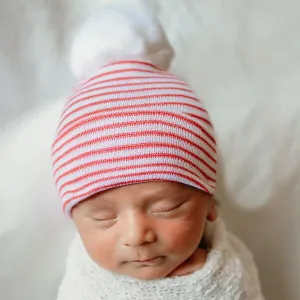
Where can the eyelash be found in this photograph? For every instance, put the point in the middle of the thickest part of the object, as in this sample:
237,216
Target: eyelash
112,221
169,210
103,221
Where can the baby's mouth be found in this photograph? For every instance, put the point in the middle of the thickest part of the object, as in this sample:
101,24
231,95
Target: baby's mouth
149,262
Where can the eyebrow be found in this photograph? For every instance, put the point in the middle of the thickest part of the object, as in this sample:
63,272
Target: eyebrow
157,194
166,193
91,206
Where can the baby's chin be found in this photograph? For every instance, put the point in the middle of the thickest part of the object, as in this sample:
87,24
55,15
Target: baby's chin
148,274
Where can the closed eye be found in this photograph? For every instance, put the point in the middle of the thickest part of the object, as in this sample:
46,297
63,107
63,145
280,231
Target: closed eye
168,211
105,221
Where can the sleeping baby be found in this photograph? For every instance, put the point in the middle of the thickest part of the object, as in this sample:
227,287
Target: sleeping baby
135,162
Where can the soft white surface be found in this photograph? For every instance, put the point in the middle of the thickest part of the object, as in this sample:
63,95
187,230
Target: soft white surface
243,59
34,235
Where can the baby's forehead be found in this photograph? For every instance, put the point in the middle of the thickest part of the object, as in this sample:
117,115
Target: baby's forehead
135,193
146,189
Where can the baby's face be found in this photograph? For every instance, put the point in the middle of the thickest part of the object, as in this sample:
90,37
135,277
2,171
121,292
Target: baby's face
144,230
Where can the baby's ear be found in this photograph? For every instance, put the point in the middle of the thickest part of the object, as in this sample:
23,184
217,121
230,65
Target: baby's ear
212,213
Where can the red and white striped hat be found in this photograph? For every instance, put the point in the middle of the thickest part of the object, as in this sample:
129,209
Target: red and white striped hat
131,121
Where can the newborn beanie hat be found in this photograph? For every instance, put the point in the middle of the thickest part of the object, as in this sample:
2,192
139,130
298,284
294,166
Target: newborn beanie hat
129,120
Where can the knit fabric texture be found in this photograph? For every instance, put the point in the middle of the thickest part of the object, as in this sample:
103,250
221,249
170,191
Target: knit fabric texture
130,123
228,274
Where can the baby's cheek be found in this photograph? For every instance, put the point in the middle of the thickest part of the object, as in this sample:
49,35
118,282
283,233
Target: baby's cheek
101,250
182,236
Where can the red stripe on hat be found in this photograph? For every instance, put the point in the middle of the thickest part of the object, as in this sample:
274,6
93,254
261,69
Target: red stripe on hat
123,158
65,130
119,71
123,93
91,117
128,78
123,168
133,62
116,100
138,63
141,133
196,117
132,146
103,87
129,175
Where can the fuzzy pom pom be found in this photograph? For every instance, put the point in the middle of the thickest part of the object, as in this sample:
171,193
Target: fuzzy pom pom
119,32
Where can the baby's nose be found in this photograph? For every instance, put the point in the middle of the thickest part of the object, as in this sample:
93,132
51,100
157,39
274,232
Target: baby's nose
137,230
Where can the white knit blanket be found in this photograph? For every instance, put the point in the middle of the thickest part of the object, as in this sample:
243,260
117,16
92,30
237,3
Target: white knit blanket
228,274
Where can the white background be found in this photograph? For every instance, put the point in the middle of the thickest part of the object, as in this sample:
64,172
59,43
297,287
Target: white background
242,58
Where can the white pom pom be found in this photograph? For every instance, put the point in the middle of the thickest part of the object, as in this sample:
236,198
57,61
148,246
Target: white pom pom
119,32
